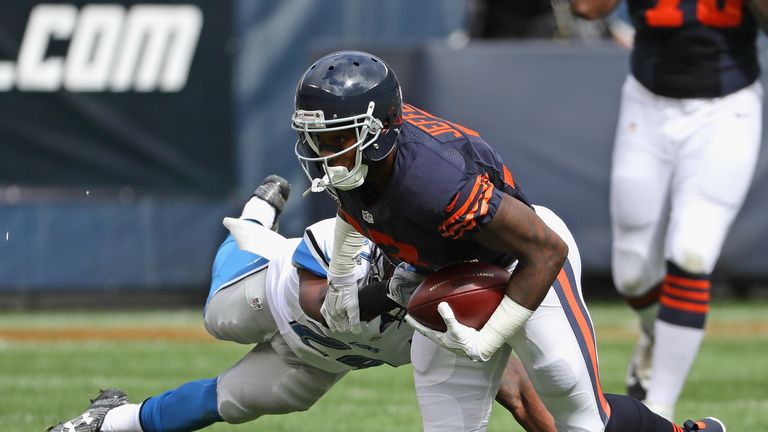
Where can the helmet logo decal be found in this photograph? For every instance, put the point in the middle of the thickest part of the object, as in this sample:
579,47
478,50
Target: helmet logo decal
312,119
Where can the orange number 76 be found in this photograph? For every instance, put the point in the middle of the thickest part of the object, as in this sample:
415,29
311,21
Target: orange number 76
667,13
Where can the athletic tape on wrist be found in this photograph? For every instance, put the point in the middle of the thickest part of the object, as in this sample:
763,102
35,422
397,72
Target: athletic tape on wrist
506,320
346,246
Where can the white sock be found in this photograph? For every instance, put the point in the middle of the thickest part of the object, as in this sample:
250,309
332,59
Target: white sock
673,354
641,363
124,418
667,412
648,318
259,210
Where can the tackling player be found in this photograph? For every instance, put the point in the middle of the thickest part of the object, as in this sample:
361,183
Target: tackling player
275,303
431,192
686,146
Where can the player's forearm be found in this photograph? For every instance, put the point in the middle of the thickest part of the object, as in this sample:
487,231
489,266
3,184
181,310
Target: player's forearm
532,278
374,301
312,290
346,246
538,266
541,254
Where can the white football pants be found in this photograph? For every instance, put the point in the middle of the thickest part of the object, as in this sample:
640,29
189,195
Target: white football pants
681,169
557,346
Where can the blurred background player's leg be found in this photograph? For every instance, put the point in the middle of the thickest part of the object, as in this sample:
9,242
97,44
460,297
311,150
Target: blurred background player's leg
640,177
712,176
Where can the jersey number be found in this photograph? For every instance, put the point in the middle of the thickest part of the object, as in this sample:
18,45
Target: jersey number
667,13
356,361
403,251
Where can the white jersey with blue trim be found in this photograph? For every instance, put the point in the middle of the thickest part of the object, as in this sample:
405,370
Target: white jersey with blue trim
383,340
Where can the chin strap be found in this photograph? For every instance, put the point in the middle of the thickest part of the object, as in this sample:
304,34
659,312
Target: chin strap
344,179
318,185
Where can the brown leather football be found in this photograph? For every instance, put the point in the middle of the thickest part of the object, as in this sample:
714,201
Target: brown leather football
472,289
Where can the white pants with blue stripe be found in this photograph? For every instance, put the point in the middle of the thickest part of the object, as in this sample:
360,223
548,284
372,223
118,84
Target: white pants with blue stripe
557,347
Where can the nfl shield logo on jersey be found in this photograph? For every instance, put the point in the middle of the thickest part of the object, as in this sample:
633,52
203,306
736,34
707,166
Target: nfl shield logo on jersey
367,217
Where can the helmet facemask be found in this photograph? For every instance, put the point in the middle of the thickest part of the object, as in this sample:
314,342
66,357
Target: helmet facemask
309,124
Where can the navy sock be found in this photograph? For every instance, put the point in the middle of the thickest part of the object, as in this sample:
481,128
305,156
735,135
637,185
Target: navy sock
630,415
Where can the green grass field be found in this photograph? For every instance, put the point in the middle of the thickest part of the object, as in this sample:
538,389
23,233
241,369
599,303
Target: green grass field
50,363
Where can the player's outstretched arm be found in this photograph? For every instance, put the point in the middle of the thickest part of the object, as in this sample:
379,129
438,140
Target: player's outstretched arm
340,307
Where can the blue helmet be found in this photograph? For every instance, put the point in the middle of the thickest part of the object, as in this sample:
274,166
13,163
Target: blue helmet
347,90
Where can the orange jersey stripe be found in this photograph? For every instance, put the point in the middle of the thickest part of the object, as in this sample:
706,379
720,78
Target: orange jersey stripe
486,190
466,227
589,340
453,203
460,212
479,209
458,229
688,283
684,305
508,177
688,295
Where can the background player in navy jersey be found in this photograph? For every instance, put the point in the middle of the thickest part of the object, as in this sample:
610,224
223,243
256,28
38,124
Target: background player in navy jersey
430,192
686,147
268,291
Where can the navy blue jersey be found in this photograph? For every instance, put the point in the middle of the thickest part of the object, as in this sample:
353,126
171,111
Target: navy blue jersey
446,185
694,48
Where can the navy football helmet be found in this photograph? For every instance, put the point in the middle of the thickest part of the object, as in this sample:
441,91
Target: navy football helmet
346,90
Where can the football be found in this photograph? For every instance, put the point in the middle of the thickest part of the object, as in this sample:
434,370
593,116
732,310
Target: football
472,289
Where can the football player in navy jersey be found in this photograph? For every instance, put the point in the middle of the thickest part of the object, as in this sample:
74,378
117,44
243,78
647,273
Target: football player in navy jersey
686,146
430,192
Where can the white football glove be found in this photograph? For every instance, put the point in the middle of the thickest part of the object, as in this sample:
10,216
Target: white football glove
507,319
403,283
458,338
340,308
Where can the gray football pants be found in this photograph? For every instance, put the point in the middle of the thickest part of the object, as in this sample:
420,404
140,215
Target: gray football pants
269,379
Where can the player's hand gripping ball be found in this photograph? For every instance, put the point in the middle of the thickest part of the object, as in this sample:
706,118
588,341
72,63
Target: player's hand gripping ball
472,289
